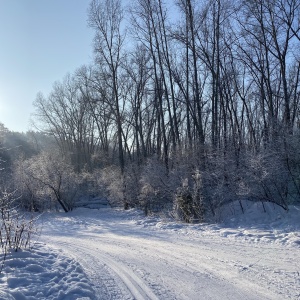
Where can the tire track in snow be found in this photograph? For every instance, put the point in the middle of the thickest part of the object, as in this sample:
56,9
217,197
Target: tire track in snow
206,277
103,281
156,265
240,276
183,265
128,284
198,264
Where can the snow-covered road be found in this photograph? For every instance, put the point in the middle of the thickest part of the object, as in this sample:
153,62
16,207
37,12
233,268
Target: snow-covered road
124,258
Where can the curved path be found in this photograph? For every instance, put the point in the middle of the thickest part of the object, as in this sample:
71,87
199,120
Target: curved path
126,261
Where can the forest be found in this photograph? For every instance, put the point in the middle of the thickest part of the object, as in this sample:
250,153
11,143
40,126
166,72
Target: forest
187,106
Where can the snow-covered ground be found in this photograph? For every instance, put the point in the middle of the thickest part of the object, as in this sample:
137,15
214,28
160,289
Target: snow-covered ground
115,254
44,273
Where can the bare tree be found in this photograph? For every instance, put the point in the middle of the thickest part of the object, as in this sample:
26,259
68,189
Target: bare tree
105,17
65,115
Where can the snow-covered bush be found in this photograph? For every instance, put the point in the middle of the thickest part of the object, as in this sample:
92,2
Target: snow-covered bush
291,160
112,181
121,189
156,193
132,184
268,178
188,203
268,174
90,185
223,180
46,181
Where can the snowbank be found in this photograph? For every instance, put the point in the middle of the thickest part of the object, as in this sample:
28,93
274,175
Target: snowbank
256,222
43,273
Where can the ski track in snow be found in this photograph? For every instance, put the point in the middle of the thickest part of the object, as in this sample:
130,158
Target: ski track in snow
116,254
128,257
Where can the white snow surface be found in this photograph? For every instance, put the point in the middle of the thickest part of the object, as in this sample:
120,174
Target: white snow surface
115,254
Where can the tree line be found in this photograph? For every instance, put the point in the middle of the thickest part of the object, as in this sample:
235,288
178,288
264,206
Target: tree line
187,104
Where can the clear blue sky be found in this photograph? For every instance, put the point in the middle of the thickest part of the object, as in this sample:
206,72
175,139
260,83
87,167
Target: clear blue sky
40,42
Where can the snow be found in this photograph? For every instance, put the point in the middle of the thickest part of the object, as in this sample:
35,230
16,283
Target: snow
115,254
259,223
43,273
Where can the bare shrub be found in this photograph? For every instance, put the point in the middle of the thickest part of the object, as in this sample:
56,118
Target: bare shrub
16,228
